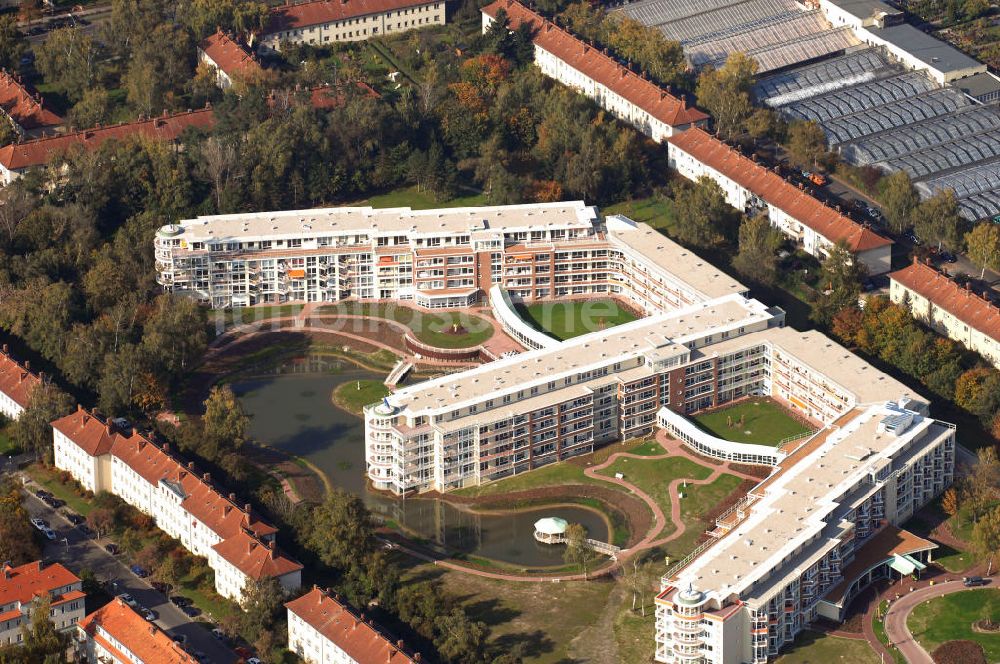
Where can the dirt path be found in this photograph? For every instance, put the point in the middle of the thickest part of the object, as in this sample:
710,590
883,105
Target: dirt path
596,644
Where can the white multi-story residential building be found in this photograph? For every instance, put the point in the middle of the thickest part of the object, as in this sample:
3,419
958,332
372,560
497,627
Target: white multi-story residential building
433,258
324,21
228,58
238,545
116,634
20,590
751,187
17,383
324,630
952,310
628,96
809,538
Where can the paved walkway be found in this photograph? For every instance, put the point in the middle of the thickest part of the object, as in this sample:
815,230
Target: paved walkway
895,619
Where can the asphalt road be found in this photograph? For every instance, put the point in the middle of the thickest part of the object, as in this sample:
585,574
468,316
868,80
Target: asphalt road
899,611
77,551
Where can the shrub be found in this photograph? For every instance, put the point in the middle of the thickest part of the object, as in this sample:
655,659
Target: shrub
959,652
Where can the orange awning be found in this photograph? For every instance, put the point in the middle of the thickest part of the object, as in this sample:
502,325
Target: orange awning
296,274
385,260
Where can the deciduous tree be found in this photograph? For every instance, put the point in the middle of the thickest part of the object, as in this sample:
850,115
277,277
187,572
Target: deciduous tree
578,550
225,422
936,220
841,281
758,244
702,213
898,198
101,520
68,59
32,431
342,530
986,536
11,42
17,537
806,142
725,92
983,246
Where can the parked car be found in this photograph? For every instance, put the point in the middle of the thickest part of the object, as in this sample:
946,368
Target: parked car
149,615
162,587
48,532
254,660
179,600
41,493
111,548
948,257
85,529
973,581
190,611
139,571
39,524
181,639
73,517
817,179
219,634
128,599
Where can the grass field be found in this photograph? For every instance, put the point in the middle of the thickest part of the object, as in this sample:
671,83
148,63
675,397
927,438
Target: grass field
435,329
656,211
355,396
565,320
555,474
764,422
950,617
422,200
64,492
815,648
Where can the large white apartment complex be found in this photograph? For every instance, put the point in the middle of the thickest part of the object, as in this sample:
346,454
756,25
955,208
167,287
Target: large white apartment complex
752,187
952,310
322,630
807,539
239,547
321,22
433,258
559,54
22,587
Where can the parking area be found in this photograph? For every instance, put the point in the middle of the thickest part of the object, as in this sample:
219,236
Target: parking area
76,548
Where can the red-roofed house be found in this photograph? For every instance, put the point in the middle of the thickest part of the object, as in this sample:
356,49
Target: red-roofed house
325,21
322,629
229,59
25,111
185,504
953,310
18,158
629,97
17,382
116,634
749,186
20,589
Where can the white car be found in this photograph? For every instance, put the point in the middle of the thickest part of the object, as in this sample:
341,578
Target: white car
128,599
51,534
39,524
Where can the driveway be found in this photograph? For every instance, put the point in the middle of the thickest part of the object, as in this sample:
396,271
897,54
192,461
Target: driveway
77,551
899,611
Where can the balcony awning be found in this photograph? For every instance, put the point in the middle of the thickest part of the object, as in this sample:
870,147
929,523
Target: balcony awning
296,274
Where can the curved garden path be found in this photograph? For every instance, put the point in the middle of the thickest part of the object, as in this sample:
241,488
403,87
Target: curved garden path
674,448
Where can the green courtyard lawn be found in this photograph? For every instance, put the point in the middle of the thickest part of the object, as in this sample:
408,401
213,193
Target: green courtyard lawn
354,396
698,501
571,318
49,480
423,200
950,617
765,422
657,211
555,474
254,314
436,329
816,648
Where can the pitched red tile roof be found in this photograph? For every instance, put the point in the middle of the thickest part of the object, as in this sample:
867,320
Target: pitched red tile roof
596,65
16,380
22,584
229,55
88,432
963,304
144,640
255,558
303,15
17,156
335,621
772,188
325,96
22,107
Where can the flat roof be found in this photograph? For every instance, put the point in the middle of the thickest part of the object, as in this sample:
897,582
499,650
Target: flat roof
933,52
799,504
865,9
978,85
588,351
318,221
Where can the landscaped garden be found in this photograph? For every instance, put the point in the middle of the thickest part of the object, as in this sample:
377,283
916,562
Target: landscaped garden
568,319
816,648
951,618
453,329
756,420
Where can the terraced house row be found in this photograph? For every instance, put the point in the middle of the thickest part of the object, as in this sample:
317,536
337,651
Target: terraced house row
239,546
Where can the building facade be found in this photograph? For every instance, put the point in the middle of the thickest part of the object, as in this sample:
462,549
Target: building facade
654,111
431,258
322,630
238,546
950,309
807,539
116,634
753,188
324,21
20,590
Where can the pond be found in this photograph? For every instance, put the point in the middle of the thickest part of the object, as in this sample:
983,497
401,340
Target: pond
292,410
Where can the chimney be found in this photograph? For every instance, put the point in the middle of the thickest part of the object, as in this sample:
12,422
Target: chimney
110,427
232,497
190,465
166,448
27,365
416,657
207,477
5,348
246,508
